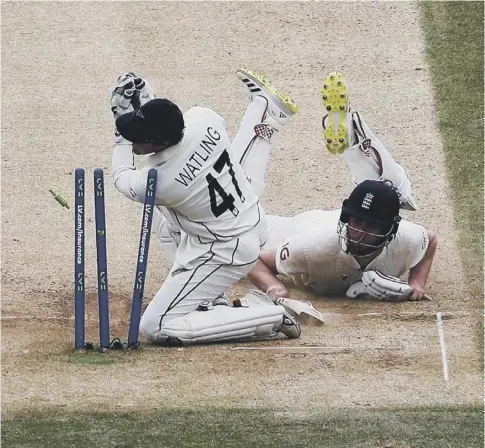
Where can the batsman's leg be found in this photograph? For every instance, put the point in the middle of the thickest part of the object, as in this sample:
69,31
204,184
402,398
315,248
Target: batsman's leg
346,132
370,159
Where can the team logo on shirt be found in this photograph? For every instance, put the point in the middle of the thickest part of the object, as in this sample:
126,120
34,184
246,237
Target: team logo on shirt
366,203
284,253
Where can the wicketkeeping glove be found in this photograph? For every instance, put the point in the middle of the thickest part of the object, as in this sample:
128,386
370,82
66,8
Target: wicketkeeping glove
380,286
122,95
131,90
143,92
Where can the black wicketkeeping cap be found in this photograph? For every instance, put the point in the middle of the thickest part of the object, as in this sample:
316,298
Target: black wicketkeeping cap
372,201
157,121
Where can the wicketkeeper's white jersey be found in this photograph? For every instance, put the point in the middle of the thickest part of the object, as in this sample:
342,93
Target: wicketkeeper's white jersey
203,189
307,249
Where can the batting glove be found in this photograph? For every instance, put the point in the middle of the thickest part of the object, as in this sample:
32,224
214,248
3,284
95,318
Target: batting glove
380,286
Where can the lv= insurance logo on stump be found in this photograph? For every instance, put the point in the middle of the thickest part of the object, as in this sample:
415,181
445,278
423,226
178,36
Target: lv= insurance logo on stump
105,342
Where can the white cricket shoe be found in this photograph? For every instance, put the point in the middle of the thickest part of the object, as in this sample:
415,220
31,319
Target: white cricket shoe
280,106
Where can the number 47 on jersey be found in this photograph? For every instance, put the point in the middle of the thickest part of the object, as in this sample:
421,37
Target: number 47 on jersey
214,186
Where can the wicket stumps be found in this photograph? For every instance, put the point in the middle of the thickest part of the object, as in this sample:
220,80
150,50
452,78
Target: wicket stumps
102,262
142,260
101,259
79,261
79,293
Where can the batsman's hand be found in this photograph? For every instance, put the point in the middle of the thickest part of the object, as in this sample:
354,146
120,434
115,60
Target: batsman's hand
277,291
418,293
380,286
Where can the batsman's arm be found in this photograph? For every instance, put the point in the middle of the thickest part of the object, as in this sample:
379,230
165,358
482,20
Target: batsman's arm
418,275
263,275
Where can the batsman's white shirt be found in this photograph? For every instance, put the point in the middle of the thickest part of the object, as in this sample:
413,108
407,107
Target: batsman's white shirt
201,188
307,249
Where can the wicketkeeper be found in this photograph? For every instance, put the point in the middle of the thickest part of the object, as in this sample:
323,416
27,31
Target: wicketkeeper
207,196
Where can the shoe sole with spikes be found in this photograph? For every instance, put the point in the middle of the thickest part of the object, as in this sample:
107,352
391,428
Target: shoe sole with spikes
256,82
336,102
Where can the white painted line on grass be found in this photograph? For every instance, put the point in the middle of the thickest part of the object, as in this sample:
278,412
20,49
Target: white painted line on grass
441,333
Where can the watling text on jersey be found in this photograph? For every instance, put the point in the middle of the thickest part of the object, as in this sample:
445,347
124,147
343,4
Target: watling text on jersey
196,160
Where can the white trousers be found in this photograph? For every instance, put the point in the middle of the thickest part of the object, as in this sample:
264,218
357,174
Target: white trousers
184,290
369,159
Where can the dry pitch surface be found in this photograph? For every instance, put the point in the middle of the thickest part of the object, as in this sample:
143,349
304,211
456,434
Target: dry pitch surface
59,62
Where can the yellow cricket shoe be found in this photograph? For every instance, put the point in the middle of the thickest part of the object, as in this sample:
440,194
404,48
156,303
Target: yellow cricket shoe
337,124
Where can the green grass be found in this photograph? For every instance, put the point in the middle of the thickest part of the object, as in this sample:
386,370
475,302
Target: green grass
454,44
90,358
414,427
94,356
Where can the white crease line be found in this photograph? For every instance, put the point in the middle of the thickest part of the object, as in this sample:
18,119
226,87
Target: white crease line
370,314
35,318
299,347
441,333
320,347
